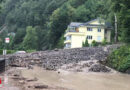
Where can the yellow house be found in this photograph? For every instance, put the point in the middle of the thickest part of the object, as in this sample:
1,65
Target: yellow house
77,33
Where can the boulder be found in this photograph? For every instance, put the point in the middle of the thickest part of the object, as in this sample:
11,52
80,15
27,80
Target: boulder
32,79
22,82
40,86
99,68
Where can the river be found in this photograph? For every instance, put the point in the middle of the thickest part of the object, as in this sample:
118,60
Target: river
80,81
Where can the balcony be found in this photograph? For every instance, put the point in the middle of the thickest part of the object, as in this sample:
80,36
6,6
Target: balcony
67,46
72,30
67,41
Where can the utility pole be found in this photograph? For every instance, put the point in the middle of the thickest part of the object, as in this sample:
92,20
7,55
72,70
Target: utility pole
116,32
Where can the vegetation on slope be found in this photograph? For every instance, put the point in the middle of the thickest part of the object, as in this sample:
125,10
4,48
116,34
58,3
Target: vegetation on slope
50,18
120,59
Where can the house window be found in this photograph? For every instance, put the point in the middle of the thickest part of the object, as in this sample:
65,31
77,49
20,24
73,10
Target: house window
99,38
71,29
68,45
99,30
89,37
89,29
68,38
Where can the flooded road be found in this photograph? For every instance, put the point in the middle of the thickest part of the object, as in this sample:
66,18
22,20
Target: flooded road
80,81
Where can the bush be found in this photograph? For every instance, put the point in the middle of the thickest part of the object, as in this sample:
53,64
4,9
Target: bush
94,43
30,51
8,52
61,43
85,44
1,51
104,42
11,51
120,59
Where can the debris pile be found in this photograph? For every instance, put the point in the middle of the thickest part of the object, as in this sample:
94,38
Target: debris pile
55,59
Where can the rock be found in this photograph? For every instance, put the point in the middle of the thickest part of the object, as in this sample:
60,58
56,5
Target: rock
18,78
16,75
58,72
22,82
99,68
79,70
56,49
90,63
31,80
40,86
86,65
30,67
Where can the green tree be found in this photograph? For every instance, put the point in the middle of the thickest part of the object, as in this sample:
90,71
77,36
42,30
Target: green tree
104,42
61,42
59,22
30,40
40,33
94,43
85,44
53,16
34,13
122,10
82,14
120,59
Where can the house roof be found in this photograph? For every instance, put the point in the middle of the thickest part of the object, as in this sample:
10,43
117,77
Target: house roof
91,21
92,25
78,24
75,24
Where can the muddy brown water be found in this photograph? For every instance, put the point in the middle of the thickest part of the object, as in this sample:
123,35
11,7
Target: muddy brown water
80,81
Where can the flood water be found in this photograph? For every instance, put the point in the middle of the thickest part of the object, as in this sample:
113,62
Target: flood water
80,81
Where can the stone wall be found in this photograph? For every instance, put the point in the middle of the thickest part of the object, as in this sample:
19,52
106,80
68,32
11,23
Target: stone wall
54,59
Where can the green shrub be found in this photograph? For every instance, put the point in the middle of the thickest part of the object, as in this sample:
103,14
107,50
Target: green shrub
30,51
8,52
85,44
94,43
1,51
61,43
120,59
104,42
11,51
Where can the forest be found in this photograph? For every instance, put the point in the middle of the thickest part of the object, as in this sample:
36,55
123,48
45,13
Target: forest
41,24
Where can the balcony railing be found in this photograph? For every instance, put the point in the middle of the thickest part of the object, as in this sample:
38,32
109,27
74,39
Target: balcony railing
72,30
67,41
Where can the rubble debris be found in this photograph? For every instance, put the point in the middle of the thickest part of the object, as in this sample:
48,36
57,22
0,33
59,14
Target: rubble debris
99,68
40,86
55,59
